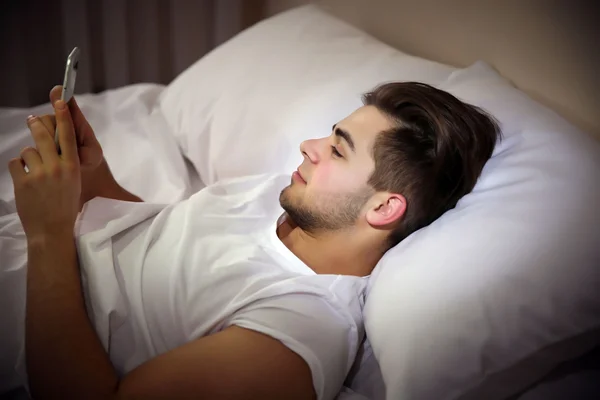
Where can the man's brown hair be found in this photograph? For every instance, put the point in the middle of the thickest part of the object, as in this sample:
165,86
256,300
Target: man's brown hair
434,154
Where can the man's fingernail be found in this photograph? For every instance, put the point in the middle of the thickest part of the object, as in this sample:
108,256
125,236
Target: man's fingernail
30,119
59,104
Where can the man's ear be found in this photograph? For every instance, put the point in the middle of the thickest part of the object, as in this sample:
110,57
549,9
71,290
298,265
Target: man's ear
386,209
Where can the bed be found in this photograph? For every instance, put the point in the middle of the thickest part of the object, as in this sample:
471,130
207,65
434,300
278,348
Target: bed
164,143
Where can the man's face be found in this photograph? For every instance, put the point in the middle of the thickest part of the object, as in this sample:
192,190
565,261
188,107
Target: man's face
329,190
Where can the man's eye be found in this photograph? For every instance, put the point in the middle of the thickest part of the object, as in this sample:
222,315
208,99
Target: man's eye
335,152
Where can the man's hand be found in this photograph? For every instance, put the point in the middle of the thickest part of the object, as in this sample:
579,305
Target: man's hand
89,149
96,178
47,196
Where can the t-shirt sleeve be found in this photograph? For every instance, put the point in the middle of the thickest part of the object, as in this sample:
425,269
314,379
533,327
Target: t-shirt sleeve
324,335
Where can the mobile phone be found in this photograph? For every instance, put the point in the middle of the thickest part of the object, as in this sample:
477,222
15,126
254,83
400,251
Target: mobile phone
68,87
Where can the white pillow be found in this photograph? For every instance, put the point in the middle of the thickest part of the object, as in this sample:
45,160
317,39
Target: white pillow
245,107
501,289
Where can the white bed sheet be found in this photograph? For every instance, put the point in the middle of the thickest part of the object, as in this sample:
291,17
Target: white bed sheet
138,146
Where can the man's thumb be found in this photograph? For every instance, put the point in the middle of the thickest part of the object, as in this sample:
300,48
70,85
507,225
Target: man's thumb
55,94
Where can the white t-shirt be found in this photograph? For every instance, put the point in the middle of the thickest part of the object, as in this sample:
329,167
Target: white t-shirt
158,276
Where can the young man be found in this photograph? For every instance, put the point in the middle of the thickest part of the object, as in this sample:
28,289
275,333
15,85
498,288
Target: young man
252,288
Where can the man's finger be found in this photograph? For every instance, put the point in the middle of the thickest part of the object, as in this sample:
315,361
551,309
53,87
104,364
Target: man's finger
15,167
43,140
31,158
80,123
55,94
79,120
66,131
49,121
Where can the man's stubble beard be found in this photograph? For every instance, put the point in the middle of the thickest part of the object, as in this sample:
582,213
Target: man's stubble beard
330,212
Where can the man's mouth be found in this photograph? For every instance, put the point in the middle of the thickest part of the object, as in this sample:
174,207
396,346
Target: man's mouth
297,176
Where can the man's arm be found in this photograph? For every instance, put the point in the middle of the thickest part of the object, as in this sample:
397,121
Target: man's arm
103,184
65,358
119,193
236,363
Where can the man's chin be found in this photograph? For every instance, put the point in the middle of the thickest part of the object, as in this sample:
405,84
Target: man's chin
284,196
288,200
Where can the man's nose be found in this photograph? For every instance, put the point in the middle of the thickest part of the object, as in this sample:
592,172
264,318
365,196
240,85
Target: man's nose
309,150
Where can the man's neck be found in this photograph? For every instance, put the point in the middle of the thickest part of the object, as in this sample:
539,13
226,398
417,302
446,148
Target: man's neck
338,252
